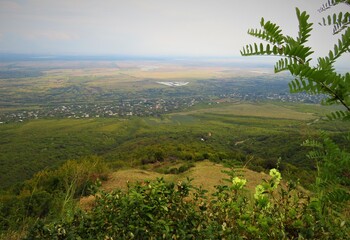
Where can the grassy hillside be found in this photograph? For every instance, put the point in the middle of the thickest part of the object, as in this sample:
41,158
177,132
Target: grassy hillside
226,131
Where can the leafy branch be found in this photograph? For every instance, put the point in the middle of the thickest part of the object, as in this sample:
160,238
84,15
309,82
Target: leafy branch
339,21
319,79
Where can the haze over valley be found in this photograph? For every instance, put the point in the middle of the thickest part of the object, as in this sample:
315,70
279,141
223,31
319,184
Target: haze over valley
106,88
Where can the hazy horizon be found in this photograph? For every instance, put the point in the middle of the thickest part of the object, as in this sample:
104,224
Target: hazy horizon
150,28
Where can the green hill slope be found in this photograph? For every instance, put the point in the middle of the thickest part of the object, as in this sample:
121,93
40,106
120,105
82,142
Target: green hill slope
224,131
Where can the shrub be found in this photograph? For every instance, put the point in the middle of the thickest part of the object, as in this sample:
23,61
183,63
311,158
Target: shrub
51,192
146,211
161,210
181,169
14,210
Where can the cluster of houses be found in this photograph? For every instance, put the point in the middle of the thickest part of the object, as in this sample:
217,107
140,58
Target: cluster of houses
282,97
140,107
151,105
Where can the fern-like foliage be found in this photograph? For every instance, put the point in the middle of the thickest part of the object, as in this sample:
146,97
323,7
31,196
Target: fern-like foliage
295,57
332,3
333,165
281,45
339,21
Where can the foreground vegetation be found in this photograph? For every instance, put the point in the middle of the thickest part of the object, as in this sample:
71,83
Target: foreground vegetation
167,210
332,179
245,134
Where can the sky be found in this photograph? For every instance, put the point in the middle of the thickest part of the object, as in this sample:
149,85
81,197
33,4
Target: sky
149,27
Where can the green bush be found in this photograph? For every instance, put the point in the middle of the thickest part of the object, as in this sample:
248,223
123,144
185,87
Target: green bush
14,210
51,193
81,173
150,211
181,169
161,210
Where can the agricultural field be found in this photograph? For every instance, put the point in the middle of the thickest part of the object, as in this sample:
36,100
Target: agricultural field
93,89
105,76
